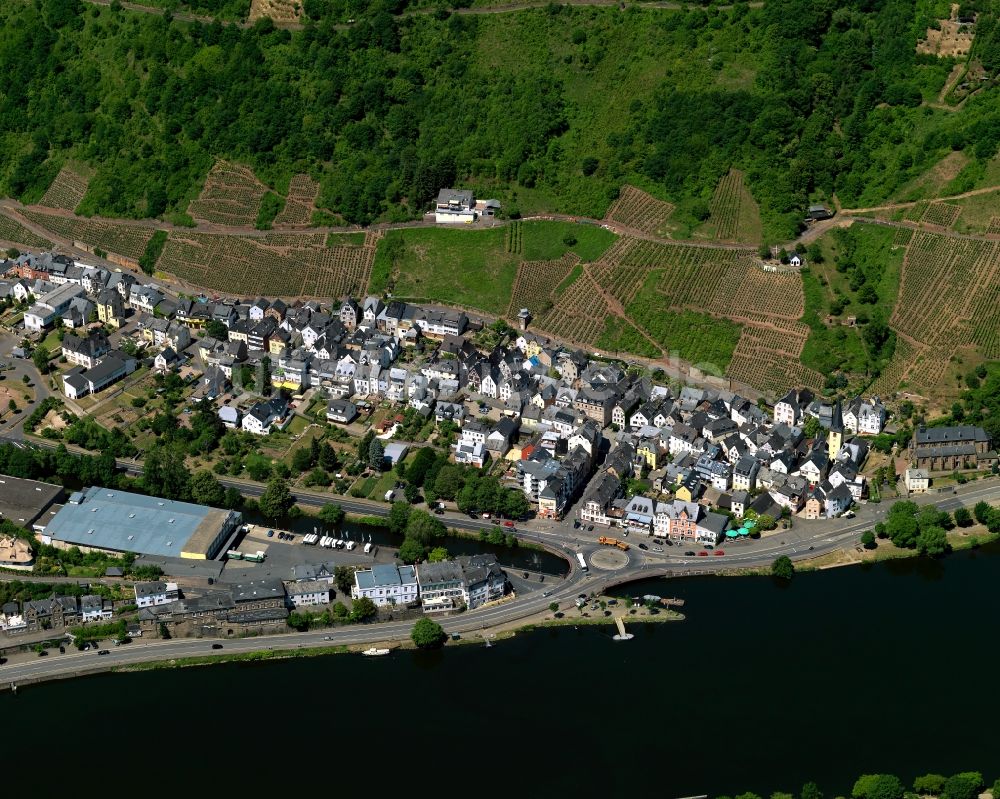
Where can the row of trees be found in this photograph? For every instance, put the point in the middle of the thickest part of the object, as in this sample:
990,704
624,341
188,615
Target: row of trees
965,785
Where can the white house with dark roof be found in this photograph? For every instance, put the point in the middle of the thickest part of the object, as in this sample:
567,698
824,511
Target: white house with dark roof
455,206
265,414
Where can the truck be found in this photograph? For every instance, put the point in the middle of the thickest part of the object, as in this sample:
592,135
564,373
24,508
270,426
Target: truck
234,554
368,548
613,542
582,561
257,557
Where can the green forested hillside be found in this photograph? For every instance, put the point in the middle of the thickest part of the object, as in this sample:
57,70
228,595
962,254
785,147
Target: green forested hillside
547,109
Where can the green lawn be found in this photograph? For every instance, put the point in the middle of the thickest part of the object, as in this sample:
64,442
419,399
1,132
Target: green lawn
471,267
544,241
457,266
345,239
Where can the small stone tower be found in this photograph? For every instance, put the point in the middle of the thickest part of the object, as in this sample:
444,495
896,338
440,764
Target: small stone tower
524,317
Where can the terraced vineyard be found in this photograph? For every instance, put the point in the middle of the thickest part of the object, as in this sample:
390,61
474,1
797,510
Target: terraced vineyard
638,210
300,202
113,237
579,315
14,232
775,293
231,196
244,266
994,226
941,214
536,282
66,191
890,378
734,215
942,279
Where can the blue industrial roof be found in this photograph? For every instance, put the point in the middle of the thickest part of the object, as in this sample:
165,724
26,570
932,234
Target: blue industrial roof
119,520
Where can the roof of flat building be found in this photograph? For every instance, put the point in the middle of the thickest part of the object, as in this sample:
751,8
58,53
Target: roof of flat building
23,501
119,520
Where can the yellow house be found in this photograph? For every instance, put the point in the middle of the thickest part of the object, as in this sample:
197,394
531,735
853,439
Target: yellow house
683,493
648,453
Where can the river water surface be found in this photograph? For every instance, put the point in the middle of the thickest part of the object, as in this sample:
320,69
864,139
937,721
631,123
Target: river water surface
880,668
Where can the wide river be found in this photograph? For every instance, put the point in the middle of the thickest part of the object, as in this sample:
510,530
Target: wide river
881,668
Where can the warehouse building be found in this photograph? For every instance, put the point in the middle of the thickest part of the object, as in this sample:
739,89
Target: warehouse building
23,502
108,520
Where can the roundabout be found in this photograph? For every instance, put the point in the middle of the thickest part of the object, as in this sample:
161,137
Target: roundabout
608,559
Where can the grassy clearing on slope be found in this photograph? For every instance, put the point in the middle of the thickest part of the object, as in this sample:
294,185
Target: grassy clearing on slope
456,266
546,241
471,267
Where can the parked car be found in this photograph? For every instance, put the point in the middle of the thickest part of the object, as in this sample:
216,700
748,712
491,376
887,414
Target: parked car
103,651
216,646
703,554
270,533
643,546
508,524
439,511
657,549
590,528
689,552
720,552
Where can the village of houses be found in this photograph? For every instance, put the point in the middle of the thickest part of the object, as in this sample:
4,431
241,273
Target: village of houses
585,439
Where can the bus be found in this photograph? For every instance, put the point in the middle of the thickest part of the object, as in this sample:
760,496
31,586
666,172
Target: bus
581,560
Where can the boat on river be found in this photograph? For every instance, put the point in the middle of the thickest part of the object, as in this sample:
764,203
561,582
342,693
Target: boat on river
375,652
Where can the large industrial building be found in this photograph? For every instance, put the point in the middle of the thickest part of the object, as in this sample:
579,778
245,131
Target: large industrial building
109,520
24,502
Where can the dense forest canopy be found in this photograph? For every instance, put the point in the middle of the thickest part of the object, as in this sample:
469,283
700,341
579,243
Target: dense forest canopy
547,109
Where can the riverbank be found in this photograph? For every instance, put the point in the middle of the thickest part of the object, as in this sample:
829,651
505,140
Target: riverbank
959,539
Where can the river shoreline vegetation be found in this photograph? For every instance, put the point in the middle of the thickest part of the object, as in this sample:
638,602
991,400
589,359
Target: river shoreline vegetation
559,106
964,785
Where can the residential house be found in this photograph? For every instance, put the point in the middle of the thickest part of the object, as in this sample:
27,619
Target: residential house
386,585
266,414
156,592
308,593
341,411
87,351
917,481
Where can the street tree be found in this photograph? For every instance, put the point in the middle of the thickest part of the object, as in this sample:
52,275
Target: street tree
553,606
962,517
424,528
783,568
331,513
877,786
966,785
932,541
277,499
428,634
516,505
412,494
343,576
411,550
868,539
206,489
41,357
437,555
399,515
363,609
982,511
929,785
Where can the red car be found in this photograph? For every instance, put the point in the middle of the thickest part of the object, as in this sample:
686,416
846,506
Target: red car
508,524
703,554
720,552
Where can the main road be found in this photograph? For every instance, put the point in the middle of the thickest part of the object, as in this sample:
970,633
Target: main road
807,539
